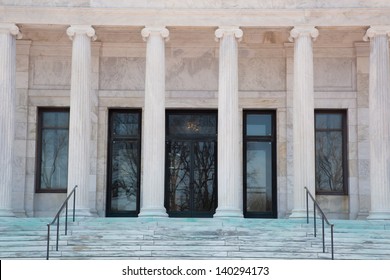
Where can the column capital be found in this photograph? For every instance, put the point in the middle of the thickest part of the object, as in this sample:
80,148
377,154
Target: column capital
155,30
377,30
298,31
81,30
232,30
12,29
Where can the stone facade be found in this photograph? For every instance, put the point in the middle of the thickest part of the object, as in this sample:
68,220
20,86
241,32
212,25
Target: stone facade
261,72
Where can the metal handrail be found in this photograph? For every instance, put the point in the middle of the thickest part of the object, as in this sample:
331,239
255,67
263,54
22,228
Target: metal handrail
57,218
324,219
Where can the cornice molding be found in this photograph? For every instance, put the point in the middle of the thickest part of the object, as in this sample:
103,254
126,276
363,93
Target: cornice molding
196,17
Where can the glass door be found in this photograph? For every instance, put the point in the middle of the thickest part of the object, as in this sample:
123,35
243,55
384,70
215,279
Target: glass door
259,164
123,163
191,187
179,176
204,176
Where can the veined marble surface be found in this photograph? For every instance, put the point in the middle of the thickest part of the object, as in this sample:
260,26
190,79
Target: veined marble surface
216,4
197,13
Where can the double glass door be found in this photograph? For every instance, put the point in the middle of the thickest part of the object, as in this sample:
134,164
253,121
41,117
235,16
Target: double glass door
191,164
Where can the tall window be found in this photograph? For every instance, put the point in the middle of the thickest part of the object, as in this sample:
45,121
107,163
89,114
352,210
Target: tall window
124,157
52,150
260,195
331,152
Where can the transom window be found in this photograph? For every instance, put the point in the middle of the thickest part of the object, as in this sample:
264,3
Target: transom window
52,150
331,152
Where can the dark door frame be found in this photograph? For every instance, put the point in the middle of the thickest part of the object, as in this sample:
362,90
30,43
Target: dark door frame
273,213
191,140
110,139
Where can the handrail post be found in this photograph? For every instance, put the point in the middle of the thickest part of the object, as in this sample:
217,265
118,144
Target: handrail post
323,235
315,222
331,240
307,205
48,241
74,203
66,218
58,231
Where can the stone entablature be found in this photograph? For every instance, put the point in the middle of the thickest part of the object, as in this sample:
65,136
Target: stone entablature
198,13
203,4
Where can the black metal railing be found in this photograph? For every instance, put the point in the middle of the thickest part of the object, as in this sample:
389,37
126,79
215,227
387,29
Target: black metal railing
316,207
57,219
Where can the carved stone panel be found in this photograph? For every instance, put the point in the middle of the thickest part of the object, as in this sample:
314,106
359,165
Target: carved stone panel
192,73
262,74
50,72
122,73
334,74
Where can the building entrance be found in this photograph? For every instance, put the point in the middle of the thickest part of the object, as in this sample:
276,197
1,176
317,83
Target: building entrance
124,156
191,163
260,188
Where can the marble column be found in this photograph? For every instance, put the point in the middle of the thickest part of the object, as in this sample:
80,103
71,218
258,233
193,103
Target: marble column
229,161
8,35
303,117
153,139
379,114
80,118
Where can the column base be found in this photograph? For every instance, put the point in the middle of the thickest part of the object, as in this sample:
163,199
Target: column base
81,213
6,213
379,215
228,213
300,214
153,213
362,215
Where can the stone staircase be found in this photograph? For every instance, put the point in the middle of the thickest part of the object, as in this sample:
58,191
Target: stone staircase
186,238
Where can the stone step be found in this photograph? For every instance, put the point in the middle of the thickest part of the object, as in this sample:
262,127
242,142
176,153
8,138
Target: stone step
27,245
129,238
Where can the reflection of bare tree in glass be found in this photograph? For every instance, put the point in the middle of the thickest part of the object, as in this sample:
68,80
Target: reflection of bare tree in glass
125,169
126,124
204,195
258,176
53,149
329,175
179,168
125,156
191,163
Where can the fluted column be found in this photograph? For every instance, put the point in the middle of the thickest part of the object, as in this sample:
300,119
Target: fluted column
379,103
229,164
8,35
303,117
153,140
80,119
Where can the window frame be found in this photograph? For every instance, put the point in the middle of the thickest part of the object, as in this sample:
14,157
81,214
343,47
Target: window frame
344,134
260,138
134,138
189,138
38,155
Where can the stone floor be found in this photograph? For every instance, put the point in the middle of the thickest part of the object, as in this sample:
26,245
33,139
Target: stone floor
185,238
